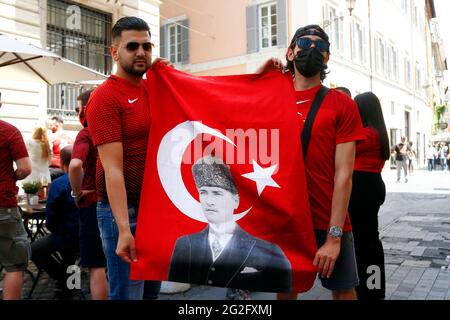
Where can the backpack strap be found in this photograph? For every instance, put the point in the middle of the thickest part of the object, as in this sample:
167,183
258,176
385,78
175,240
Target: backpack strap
306,133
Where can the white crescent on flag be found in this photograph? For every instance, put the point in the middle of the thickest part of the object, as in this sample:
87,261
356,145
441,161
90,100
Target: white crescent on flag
169,158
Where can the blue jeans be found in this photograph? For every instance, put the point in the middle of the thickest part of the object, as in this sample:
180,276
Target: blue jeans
120,285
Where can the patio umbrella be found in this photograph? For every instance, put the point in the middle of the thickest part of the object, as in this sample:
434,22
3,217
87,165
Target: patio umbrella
20,61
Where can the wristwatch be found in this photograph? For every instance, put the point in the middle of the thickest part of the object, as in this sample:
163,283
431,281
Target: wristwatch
335,231
73,195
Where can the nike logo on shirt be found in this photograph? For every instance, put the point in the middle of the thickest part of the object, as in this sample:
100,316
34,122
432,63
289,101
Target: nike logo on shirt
303,101
132,100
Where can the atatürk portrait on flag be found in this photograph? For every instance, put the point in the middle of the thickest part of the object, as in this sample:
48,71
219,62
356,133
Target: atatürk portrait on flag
224,254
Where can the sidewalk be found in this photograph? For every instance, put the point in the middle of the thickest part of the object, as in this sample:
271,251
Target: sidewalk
414,228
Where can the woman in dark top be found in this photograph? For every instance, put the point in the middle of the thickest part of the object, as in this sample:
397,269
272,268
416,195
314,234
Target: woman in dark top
368,195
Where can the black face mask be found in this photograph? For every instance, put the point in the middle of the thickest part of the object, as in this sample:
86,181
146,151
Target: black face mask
309,62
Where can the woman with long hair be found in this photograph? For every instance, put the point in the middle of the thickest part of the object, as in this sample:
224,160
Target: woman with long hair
368,194
40,155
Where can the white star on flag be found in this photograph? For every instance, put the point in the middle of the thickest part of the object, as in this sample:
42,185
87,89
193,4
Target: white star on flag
262,177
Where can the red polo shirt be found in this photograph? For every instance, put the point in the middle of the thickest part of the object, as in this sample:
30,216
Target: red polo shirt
12,148
119,112
337,121
84,150
368,152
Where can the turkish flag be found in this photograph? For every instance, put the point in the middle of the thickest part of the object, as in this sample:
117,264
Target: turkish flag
224,199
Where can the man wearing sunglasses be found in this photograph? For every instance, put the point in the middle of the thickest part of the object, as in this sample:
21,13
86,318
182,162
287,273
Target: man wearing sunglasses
119,122
328,160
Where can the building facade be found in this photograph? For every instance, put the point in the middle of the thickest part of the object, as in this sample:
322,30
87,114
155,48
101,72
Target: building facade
79,30
384,46
440,109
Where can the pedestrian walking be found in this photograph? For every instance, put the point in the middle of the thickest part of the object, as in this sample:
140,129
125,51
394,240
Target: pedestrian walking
400,151
431,151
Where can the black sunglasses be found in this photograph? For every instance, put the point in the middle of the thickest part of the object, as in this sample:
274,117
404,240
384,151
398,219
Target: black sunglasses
133,46
305,43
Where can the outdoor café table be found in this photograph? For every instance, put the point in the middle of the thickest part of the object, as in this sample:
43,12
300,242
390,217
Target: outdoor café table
33,214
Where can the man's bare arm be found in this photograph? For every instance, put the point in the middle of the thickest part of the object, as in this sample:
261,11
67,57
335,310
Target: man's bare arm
23,168
344,159
76,175
111,156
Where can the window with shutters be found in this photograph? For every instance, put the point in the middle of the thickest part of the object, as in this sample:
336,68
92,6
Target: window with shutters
405,6
418,79
416,16
174,44
408,74
334,27
174,39
86,43
268,25
393,62
380,55
358,44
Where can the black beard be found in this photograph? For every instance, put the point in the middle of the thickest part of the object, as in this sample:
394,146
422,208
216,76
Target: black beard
133,71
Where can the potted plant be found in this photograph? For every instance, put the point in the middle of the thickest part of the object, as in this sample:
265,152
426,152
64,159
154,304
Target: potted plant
31,189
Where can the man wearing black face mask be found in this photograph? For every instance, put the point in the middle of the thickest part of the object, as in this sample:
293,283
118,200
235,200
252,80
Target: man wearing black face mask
329,158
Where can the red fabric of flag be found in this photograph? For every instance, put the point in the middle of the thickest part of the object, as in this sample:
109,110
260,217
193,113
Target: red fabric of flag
224,199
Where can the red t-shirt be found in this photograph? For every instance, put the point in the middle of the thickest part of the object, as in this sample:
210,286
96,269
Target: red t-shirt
368,152
84,150
59,143
12,148
119,112
337,121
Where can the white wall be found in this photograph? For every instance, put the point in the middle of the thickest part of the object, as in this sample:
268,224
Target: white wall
23,103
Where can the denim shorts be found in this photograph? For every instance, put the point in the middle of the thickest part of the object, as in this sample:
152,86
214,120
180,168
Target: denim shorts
120,285
345,273
15,248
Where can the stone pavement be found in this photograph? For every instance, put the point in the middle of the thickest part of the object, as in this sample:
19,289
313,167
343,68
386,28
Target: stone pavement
415,231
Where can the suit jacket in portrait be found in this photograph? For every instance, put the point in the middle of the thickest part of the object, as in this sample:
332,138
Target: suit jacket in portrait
246,263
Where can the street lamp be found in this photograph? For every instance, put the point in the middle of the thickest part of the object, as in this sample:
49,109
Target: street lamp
350,6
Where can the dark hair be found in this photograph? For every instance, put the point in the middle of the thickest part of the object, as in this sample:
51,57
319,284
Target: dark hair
344,90
311,29
65,155
372,116
84,97
129,23
58,119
